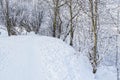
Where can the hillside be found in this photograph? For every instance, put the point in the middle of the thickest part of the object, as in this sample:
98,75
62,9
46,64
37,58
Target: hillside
40,58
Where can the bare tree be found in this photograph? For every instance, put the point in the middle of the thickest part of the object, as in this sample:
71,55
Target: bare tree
117,56
5,10
37,15
57,22
117,48
93,5
74,9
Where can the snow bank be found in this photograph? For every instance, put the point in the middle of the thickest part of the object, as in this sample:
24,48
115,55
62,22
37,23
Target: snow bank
40,58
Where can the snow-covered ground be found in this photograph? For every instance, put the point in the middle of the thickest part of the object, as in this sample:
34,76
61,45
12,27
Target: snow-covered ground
41,58
32,57
106,73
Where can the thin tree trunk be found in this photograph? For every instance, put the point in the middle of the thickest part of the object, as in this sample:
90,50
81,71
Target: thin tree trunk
94,18
117,54
71,23
8,22
56,6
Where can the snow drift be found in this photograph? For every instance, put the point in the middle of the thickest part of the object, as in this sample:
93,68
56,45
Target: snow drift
40,58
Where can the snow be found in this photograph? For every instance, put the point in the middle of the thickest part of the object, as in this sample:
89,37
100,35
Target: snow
3,31
106,73
35,57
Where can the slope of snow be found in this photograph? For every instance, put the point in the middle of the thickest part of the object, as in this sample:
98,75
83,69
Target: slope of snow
40,58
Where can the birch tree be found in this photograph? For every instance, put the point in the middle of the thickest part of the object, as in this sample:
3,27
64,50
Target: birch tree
93,5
